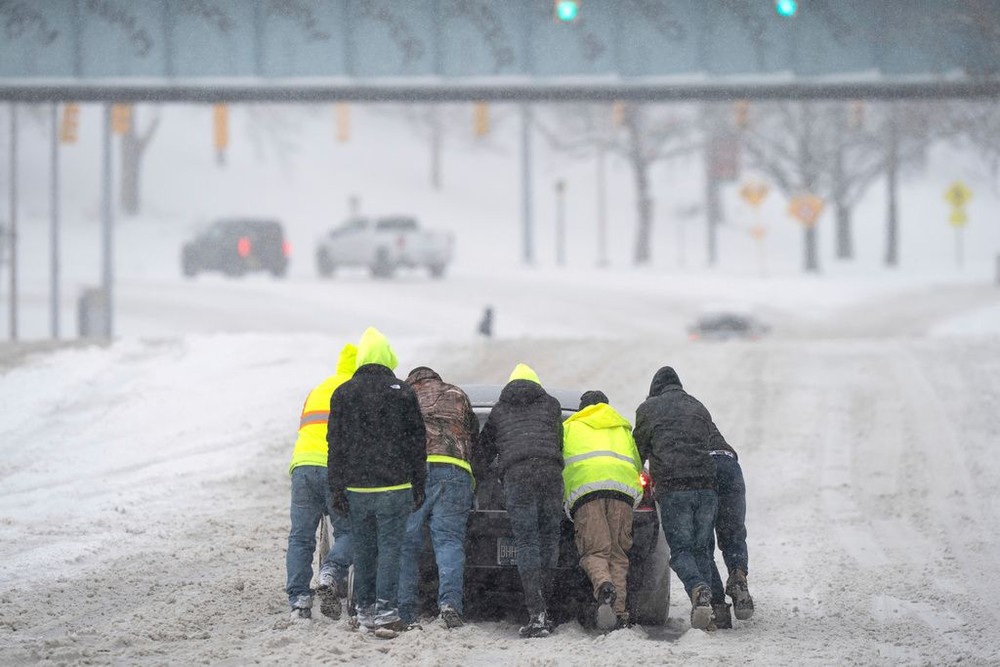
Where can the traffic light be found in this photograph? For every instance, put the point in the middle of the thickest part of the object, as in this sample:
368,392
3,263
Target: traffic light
481,119
121,118
566,11
786,8
70,123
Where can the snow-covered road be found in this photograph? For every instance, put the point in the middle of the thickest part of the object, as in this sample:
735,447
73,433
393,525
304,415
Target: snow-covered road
144,498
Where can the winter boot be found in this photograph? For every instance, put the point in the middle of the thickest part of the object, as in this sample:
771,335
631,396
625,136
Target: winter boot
606,595
329,603
701,607
451,617
736,588
538,626
302,608
721,617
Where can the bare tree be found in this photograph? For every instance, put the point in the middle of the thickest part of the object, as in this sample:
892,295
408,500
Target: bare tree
133,149
642,135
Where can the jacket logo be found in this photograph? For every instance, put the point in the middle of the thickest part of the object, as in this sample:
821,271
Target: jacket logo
394,386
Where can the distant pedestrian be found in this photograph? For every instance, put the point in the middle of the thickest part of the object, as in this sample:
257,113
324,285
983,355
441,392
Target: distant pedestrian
731,531
486,323
601,486
525,432
376,473
311,501
673,430
452,430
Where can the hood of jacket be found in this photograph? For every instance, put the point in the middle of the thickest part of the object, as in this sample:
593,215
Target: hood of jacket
421,373
524,372
347,362
374,348
520,392
665,378
599,415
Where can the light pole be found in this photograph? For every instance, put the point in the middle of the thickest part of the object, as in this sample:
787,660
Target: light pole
560,222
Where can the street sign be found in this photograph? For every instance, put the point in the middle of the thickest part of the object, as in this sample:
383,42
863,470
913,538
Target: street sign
806,209
754,192
958,194
958,218
758,232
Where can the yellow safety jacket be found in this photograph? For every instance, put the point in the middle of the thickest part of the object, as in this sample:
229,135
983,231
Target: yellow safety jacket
599,454
310,447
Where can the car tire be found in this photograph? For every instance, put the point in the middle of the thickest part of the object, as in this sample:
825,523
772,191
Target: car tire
279,270
323,533
382,266
654,593
324,265
436,270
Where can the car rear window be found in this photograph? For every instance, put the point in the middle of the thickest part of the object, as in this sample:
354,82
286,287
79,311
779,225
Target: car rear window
396,224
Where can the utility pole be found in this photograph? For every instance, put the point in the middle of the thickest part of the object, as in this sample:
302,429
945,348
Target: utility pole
560,222
602,208
54,212
526,198
107,222
12,233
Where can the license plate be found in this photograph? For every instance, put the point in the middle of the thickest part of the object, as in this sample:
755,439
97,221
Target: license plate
506,551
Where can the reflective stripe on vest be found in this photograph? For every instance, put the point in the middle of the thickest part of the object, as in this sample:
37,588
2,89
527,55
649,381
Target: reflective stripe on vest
603,485
379,489
314,417
603,452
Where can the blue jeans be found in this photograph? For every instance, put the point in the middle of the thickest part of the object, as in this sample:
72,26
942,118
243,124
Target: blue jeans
310,501
378,520
730,522
688,520
535,511
447,506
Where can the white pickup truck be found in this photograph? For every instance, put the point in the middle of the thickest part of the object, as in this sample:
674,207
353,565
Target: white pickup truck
383,245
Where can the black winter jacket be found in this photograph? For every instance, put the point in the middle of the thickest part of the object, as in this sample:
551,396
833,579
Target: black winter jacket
524,428
375,435
674,431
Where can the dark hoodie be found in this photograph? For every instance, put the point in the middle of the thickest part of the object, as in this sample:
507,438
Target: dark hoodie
675,432
524,430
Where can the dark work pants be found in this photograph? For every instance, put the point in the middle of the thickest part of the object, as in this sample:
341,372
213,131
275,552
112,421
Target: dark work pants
534,506
730,521
688,519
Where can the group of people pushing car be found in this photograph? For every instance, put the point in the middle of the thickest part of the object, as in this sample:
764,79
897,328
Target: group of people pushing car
384,456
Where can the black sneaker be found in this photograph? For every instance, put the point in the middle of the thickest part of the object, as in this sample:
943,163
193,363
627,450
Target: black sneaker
701,607
736,588
721,617
301,614
451,617
538,626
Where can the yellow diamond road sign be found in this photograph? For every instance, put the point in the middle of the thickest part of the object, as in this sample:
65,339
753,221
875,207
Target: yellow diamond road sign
754,192
958,194
958,218
806,208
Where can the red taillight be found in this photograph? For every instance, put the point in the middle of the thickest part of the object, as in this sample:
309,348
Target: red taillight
644,479
401,241
243,246
693,336
286,248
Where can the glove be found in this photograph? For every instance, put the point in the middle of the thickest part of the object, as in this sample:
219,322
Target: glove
338,501
418,497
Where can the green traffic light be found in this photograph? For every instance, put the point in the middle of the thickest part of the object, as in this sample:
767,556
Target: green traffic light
786,7
567,10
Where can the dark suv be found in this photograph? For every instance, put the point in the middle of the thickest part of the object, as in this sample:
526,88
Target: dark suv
236,246
492,584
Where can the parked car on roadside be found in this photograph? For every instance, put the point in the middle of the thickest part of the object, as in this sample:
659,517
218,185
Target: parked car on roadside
383,245
492,584
727,325
236,246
